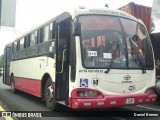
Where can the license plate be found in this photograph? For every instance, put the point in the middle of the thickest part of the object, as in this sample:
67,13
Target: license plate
129,100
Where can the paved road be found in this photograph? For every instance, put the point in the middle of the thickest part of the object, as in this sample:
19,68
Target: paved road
25,102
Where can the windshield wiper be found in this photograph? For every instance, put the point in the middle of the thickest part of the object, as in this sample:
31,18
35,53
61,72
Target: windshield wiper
140,60
110,65
141,63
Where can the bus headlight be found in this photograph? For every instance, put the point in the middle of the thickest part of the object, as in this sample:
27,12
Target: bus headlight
87,94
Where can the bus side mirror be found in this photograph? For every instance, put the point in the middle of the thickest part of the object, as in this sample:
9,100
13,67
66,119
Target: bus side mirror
76,29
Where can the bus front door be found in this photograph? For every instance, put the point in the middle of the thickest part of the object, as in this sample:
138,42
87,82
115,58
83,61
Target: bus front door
62,61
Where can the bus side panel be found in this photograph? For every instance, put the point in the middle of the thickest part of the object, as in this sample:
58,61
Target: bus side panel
27,85
28,73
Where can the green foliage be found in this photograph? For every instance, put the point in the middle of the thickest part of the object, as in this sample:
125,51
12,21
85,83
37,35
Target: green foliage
1,61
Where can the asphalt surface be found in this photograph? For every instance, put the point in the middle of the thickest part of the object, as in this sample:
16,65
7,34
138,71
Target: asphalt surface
23,102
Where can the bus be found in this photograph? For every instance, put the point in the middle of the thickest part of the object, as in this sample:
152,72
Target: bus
86,58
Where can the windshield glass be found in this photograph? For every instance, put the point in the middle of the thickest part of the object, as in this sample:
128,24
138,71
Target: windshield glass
106,39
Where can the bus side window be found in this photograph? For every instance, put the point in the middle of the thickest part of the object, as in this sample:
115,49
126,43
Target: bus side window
21,43
47,32
33,39
25,42
40,40
54,30
14,50
15,46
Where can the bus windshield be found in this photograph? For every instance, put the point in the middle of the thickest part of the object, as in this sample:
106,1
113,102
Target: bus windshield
120,41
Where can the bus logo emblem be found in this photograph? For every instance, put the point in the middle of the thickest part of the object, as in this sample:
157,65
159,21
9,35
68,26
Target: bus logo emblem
127,77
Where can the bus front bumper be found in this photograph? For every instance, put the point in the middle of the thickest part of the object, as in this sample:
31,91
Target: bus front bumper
112,101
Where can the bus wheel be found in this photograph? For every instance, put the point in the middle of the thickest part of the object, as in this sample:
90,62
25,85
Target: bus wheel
13,89
157,88
49,95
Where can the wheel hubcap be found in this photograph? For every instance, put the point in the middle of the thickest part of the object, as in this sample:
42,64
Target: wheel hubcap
49,93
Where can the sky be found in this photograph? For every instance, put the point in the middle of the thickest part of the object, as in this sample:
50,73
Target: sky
31,12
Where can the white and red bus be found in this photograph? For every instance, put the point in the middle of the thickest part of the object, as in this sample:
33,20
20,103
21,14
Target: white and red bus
85,59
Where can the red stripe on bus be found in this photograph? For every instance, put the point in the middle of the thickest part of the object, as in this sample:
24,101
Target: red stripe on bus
27,85
109,101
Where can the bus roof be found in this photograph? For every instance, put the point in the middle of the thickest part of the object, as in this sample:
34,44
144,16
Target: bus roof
105,11
81,11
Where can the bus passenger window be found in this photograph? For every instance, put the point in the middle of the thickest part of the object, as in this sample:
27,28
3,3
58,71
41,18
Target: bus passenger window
21,47
33,39
26,44
15,46
54,30
50,31
47,32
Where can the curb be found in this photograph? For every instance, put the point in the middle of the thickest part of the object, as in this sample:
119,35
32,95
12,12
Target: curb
6,117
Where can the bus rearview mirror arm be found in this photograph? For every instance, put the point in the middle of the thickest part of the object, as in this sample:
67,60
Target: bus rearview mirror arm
76,29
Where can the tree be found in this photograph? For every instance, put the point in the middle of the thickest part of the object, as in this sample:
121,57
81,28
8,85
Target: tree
1,61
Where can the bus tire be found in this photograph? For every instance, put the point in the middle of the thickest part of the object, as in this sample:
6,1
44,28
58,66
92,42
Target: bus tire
157,88
13,88
50,95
